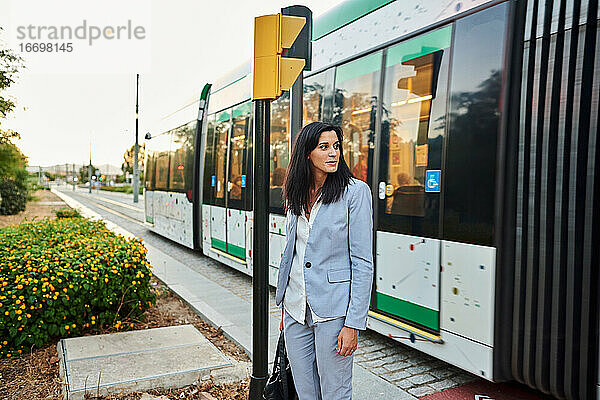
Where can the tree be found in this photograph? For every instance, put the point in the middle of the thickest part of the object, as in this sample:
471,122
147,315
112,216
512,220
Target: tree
83,173
13,176
128,160
9,67
12,161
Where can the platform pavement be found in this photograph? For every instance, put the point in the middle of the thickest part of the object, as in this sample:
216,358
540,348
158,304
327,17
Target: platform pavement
233,315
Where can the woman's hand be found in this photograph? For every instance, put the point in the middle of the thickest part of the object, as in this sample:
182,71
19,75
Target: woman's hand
347,341
281,323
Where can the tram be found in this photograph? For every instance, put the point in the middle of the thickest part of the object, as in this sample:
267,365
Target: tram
475,123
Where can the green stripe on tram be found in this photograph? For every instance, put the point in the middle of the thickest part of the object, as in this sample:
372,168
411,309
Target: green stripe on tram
362,66
237,251
232,249
242,109
420,46
223,116
218,244
410,311
343,14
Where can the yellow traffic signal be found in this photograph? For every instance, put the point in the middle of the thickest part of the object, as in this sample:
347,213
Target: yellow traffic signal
272,72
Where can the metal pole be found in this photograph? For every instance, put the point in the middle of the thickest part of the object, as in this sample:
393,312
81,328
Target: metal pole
297,115
90,170
260,247
73,176
136,173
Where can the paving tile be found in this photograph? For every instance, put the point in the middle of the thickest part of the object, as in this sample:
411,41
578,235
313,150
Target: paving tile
421,379
397,375
442,385
421,391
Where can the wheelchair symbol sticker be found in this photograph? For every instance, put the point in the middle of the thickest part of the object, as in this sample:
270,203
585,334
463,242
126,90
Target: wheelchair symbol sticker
432,180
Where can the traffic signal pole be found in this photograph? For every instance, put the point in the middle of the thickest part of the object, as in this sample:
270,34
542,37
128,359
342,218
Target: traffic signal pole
273,73
260,248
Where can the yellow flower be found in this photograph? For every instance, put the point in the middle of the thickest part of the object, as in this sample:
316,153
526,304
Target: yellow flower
66,327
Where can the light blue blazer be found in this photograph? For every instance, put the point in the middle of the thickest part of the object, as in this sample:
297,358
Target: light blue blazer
338,263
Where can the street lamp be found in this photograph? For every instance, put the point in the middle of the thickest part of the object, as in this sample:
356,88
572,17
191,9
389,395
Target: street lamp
136,173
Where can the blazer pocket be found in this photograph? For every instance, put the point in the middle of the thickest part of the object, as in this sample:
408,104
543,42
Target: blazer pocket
338,275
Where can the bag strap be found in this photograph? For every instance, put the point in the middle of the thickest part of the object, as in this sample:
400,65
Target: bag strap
276,361
283,364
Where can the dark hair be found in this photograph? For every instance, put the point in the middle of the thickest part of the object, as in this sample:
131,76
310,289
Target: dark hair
299,177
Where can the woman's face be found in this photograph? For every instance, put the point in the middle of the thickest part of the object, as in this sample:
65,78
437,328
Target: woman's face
326,156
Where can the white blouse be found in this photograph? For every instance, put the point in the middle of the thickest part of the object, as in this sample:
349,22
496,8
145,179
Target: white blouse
295,300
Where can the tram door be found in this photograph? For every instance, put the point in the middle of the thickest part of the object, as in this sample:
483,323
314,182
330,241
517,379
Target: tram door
407,278
237,180
218,221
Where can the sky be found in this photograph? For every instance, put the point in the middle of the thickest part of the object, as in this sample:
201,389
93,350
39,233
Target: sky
58,115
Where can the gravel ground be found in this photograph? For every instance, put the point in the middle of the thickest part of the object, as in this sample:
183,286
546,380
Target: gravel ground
44,205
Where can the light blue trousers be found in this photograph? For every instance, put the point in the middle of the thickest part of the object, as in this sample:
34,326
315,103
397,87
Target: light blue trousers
319,372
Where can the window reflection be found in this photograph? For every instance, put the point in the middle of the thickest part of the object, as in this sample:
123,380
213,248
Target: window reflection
162,145
222,127
239,132
317,97
209,162
408,92
356,88
280,149
473,120
150,167
181,170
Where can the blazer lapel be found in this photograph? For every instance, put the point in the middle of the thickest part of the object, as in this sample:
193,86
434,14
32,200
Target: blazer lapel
291,240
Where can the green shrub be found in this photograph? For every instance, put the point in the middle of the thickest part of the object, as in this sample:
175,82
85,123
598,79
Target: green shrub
67,213
64,277
14,196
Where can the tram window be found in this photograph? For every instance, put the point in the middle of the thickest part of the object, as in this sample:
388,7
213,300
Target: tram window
410,89
355,101
237,167
209,162
473,123
162,145
182,162
280,150
150,165
317,98
222,126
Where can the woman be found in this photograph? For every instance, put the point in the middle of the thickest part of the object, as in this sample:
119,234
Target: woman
326,271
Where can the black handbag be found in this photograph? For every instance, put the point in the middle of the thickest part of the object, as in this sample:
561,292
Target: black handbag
280,385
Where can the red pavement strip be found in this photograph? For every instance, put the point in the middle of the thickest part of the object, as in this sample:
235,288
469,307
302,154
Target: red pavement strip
484,390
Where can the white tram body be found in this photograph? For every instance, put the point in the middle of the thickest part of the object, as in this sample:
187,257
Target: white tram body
438,101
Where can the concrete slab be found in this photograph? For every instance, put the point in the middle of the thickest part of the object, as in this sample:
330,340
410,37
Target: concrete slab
366,385
169,357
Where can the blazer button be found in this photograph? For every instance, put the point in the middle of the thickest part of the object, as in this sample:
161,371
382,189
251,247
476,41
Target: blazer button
308,264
